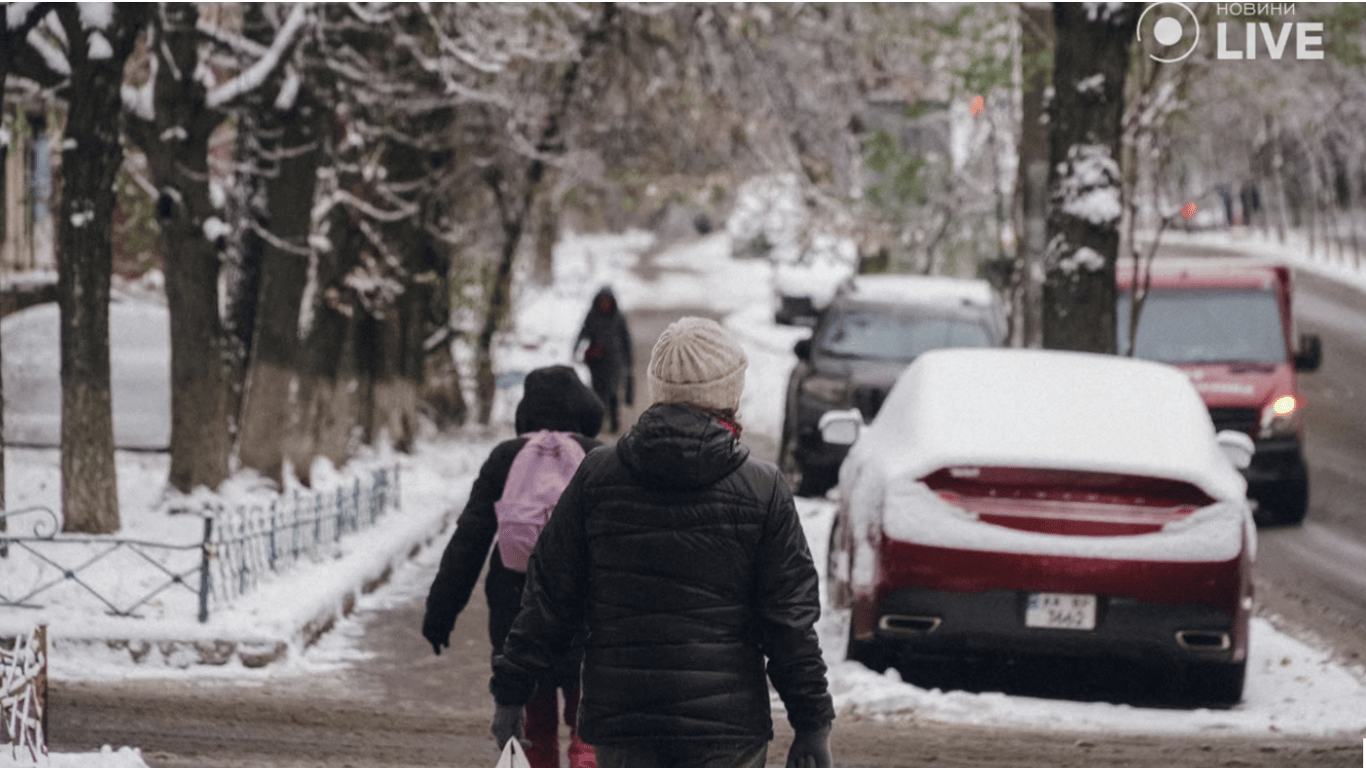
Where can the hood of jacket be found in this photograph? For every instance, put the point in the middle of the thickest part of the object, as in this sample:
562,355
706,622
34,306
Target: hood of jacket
606,295
556,398
674,445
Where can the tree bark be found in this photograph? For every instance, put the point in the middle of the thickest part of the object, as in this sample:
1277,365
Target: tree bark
6,46
204,367
1091,60
279,395
1036,51
91,157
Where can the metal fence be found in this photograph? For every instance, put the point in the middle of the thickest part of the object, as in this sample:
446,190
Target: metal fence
241,547
247,544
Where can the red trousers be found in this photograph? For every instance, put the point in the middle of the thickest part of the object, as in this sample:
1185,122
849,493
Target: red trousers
543,729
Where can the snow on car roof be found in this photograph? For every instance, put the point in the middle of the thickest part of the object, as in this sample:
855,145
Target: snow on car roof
1195,271
1048,409
920,288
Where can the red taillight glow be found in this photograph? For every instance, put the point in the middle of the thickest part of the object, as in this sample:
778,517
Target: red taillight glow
1067,502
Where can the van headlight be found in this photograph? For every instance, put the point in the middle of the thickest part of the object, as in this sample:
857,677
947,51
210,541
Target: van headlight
1281,418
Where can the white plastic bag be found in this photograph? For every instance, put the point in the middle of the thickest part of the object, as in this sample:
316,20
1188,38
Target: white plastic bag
513,756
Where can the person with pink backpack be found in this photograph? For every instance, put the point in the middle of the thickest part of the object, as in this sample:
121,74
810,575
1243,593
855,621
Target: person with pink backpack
557,421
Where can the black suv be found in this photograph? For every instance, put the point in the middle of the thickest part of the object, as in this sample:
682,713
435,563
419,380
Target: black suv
873,327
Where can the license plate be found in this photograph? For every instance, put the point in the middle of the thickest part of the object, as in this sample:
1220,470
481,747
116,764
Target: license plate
1060,610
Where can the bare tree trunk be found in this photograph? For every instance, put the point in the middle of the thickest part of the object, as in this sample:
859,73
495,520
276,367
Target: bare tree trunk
500,298
278,393
1084,175
1273,130
1355,179
91,158
204,355
1036,20
5,43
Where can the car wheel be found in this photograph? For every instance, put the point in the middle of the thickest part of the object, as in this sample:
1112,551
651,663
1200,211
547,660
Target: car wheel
791,468
1216,684
837,564
1285,504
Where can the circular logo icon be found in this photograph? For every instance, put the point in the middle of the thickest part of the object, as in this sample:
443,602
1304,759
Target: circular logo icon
1166,30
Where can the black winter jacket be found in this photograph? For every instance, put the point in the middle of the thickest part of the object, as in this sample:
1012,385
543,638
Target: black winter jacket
553,398
688,562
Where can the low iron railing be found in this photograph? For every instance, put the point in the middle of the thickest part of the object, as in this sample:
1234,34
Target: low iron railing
240,547
249,542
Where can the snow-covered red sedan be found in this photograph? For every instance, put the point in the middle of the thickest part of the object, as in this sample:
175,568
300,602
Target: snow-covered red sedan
1012,502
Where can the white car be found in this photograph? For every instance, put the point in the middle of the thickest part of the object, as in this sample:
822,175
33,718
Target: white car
1027,503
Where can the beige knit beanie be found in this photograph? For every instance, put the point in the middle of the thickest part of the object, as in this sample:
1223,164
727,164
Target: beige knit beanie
697,361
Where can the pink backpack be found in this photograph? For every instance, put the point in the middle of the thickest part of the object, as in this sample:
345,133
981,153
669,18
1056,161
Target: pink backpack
538,476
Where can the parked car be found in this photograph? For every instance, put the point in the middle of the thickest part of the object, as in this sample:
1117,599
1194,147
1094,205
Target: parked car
872,328
1017,503
1228,323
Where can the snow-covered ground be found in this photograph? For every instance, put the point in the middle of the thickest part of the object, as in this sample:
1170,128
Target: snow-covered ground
1291,687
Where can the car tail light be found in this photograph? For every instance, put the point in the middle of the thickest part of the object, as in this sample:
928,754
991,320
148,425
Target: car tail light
1067,502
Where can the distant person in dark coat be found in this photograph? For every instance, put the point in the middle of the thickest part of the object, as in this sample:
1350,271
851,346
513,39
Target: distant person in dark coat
608,354
553,398
687,561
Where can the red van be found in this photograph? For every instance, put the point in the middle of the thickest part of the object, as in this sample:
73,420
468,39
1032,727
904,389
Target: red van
1228,324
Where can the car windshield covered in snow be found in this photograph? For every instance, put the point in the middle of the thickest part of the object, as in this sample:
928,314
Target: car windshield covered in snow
880,335
1195,326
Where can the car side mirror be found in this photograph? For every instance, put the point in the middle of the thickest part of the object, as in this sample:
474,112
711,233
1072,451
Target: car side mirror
803,349
841,427
1310,353
1237,446
796,310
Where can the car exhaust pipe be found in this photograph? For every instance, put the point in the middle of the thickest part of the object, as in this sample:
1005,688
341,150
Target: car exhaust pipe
909,625
1203,640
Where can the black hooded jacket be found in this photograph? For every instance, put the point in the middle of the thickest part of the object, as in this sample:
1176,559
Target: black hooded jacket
687,560
553,398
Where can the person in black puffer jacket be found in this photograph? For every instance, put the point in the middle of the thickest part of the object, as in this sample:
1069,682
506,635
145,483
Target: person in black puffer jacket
553,398
687,561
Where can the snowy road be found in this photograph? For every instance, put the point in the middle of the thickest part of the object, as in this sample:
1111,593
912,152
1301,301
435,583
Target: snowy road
375,695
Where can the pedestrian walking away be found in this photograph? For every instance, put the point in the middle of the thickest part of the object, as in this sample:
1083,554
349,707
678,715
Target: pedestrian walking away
685,558
557,421
608,355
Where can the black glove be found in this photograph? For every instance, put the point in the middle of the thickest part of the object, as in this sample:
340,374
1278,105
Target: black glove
810,749
439,637
508,722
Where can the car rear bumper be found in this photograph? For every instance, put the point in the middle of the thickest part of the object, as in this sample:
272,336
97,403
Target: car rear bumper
919,621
